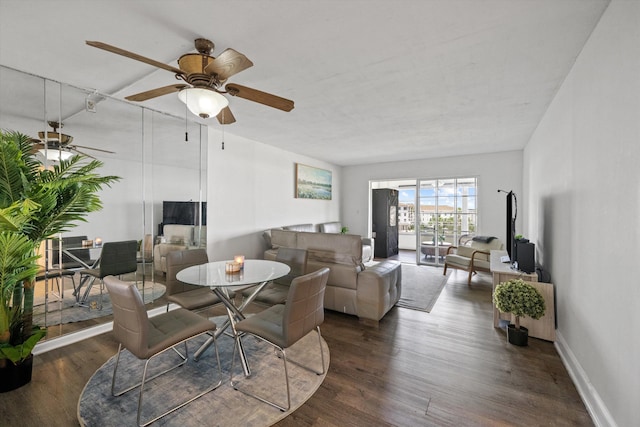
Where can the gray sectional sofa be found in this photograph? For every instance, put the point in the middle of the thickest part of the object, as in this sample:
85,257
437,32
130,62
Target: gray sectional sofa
334,227
367,292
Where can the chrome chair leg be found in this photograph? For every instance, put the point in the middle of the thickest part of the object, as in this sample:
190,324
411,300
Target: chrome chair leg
281,351
141,384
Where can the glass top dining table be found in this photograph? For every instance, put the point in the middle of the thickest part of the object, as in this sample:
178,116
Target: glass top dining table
214,275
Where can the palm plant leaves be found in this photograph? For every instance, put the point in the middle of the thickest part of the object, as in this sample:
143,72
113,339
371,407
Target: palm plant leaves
36,203
14,167
63,195
17,264
67,193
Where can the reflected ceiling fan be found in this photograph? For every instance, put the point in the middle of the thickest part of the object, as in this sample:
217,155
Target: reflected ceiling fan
55,145
204,76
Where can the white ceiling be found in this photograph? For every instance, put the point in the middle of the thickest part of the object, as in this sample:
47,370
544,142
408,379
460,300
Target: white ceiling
372,81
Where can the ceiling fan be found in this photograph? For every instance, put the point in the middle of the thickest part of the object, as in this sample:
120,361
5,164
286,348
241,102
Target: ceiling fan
204,76
55,145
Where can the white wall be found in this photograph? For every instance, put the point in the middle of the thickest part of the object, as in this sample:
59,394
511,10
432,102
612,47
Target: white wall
582,180
122,215
494,171
252,188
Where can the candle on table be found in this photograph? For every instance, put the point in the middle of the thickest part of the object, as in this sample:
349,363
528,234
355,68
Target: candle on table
232,267
240,260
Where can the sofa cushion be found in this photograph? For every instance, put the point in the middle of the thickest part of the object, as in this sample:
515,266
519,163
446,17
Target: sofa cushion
300,227
340,249
283,239
331,227
178,234
266,235
340,275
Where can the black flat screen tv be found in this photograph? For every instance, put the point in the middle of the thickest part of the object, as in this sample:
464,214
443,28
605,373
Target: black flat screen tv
511,224
184,213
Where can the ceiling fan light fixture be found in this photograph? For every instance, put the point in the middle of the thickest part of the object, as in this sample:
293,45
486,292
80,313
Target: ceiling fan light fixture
55,155
203,102
55,136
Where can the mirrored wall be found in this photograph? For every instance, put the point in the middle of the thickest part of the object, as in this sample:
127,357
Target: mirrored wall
148,151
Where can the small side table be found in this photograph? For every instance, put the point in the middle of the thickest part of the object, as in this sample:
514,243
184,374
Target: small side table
429,249
543,328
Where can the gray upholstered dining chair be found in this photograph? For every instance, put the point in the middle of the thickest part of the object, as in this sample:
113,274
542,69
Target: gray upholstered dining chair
276,292
187,296
283,325
148,337
116,258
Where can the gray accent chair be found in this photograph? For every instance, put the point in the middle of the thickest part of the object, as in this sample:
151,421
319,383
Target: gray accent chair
276,292
148,337
187,296
116,258
285,324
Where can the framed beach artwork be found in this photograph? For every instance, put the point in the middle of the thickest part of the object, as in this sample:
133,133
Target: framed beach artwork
312,183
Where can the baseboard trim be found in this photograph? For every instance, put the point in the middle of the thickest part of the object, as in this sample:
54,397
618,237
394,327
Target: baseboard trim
72,338
595,405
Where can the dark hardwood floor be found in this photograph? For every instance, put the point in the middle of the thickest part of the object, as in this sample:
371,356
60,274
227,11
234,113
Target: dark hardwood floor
449,367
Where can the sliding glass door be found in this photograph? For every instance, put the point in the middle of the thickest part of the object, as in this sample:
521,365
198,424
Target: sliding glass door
446,214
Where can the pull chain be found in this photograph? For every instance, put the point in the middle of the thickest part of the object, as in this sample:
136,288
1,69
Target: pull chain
223,129
186,123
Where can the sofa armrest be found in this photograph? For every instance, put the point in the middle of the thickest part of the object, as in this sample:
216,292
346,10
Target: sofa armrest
367,249
378,289
162,249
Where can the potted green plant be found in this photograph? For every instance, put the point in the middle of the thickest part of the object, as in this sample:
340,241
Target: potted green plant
35,203
344,230
519,298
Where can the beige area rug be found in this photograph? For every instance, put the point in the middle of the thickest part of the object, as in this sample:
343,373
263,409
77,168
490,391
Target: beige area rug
66,311
221,407
421,286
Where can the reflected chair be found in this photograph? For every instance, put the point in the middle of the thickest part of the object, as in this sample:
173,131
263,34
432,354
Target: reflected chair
148,337
187,296
283,325
276,292
117,258
145,254
57,274
72,245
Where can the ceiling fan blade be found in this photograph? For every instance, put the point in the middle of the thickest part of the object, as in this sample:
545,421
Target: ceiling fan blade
259,96
225,117
135,56
73,147
83,153
227,64
153,93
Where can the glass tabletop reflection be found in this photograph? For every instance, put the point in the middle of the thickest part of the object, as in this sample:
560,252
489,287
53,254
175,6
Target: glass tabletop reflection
214,274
